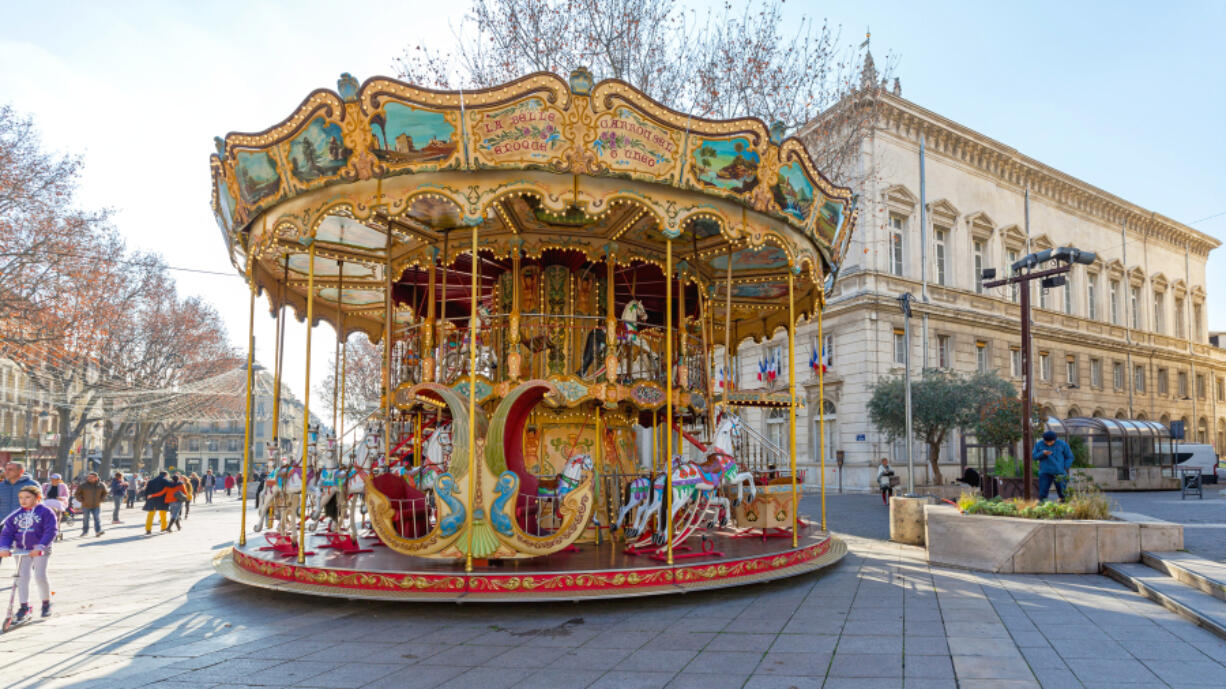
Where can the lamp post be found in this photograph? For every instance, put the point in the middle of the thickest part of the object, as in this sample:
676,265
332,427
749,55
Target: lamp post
904,302
1023,273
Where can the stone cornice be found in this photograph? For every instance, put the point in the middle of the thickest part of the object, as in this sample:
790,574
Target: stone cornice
943,136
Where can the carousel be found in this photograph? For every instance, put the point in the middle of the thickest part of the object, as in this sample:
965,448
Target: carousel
557,275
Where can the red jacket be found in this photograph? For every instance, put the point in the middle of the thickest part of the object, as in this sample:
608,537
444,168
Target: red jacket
229,482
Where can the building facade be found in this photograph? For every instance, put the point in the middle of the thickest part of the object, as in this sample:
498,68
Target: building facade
1125,338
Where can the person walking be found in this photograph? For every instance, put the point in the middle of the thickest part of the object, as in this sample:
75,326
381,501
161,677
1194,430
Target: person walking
178,494
155,501
885,480
133,488
191,496
30,528
91,495
209,481
118,489
195,481
1055,458
228,483
15,478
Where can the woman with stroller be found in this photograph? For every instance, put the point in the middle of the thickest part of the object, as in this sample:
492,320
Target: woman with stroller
29,530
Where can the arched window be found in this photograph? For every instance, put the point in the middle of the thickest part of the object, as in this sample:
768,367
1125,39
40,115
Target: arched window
830,440
1202,430
1073,413
1099,413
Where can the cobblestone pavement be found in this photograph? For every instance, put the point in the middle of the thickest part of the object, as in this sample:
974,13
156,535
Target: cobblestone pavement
1204,521
133,612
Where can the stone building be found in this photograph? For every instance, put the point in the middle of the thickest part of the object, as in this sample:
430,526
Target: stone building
1126,338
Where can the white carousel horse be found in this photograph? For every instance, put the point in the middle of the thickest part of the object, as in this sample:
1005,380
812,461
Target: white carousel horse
436,455
633,349
723,446
455,362
570,478
281,498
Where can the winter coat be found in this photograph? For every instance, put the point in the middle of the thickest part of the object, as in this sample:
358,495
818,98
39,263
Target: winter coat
155,494
8,492
229,482
883,475
1058,462
91,495
118,487
28,529
178,492
209,480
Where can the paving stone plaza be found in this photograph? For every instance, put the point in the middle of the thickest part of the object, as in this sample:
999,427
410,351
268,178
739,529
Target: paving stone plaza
135,612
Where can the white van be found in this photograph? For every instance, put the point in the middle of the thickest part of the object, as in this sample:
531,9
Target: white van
1198,455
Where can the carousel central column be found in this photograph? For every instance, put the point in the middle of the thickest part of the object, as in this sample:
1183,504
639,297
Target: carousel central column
427,335
306,403
242,534
668,395
472,406
792,403
388,320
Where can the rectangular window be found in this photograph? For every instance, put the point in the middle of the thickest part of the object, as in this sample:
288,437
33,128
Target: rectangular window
978,246
1135,295
1138,377
1117,375
1115,302
1070,370
193,444
1221,389
944,351
1068,295
1015,362
827,353
1092,296
1044,298
233,444
1179,318
1096,373
900,348
939,236
1197,333
1163,382
774,355
897,226
212,444
1013,289
1045,367
983,359
1181,385
1159,321
1200,386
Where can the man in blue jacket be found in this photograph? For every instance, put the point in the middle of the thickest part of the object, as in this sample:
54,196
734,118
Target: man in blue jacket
1055,458
15,479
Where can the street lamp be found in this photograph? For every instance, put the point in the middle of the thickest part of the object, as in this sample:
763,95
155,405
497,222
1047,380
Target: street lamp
1024,272
904,302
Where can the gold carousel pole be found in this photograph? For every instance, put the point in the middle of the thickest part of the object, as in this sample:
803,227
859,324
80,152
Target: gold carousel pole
306,403
516,358
821,397
242,533
728,324
610,336
427,344
668,399
280,347
472,407
704,319
336,358
388,320
683,374
792,404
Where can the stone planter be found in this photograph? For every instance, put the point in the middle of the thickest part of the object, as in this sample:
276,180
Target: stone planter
1032,546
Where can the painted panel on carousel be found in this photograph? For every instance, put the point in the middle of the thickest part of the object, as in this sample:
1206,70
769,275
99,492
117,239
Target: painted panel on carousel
524,133
258,177
627,142
765,257
761,290
326,267
729,165
353,297
339,229
318,152
793,191
407,137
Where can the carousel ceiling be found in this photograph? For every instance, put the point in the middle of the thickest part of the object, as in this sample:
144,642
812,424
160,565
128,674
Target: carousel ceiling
386,173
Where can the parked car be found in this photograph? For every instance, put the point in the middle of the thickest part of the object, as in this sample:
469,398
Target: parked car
1198,455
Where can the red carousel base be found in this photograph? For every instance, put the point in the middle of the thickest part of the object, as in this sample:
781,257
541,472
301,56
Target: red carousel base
590,571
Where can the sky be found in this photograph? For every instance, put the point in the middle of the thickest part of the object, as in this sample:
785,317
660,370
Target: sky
1125,96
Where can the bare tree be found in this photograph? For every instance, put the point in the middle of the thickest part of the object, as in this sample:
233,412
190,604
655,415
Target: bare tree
731,61
363,381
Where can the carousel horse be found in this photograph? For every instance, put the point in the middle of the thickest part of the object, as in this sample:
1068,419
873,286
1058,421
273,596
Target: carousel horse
632,348
566,481
436,454
281,500
455,361
721,451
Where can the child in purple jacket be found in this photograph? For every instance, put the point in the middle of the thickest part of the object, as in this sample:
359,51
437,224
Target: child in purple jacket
30,528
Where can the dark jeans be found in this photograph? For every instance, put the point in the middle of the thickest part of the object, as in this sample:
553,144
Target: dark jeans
1045,481
86,514
208,494
886,493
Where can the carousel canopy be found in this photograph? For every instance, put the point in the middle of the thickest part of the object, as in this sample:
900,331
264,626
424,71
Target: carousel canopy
387,173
